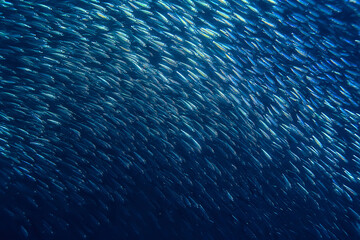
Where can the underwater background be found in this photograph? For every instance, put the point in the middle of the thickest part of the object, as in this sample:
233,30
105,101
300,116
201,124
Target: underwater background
179,119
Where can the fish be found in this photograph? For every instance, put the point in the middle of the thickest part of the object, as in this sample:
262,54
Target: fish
186,119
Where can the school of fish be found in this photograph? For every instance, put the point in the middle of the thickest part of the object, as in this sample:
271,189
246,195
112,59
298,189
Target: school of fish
182,119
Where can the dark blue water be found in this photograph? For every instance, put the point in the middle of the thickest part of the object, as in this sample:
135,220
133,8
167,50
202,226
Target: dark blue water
95,147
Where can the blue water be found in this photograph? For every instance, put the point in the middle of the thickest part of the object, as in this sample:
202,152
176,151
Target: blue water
95,147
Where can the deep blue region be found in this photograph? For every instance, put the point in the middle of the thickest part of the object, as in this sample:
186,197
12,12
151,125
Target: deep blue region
126,217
